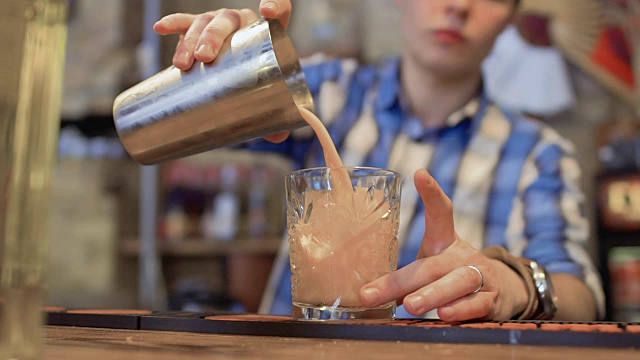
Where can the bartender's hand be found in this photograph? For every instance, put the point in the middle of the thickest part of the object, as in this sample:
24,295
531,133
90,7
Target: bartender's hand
441,277
202,35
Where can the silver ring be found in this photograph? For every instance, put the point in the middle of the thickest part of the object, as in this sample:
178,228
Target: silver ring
481,278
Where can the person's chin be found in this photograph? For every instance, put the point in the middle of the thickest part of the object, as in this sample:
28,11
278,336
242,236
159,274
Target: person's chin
442,65
446,70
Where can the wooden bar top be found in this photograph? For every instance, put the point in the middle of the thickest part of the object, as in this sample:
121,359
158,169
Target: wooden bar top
71,343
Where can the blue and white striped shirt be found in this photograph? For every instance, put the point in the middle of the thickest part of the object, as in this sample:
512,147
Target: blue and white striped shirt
513,181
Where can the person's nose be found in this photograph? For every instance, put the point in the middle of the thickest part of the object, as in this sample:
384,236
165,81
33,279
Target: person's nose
458,8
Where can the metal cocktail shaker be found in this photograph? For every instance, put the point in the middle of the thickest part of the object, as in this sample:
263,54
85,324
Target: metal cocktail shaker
252,89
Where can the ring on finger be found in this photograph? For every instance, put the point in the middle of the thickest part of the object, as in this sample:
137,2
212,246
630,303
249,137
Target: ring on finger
481,278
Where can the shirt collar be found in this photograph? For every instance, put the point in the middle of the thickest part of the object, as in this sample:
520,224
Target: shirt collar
466,112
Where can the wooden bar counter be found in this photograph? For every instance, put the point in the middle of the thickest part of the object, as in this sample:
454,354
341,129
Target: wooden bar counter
71,343
116,334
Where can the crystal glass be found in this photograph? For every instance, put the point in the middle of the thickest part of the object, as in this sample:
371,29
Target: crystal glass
341,237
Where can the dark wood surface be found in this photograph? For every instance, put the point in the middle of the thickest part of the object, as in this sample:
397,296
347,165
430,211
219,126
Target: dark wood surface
95,344
529,333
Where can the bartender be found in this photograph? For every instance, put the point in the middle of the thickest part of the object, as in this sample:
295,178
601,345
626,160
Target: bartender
492,219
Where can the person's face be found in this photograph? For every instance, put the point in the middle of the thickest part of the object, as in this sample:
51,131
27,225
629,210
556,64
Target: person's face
452,37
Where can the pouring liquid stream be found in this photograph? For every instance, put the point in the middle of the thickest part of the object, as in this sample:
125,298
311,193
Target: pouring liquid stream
343,193
339,177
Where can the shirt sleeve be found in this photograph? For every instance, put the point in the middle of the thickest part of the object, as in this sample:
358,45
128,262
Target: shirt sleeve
555,225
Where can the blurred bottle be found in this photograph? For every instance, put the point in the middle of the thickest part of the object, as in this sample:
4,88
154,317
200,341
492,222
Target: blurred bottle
620,143
175,222
258,202
72,144
207,224
624,271
226,208
32,38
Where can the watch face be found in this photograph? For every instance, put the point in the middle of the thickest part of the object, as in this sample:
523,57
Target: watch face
551,293
546,292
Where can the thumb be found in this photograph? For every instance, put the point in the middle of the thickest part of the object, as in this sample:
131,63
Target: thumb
439,230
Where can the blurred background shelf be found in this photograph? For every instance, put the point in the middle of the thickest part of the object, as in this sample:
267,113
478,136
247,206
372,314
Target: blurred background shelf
206,248
102,199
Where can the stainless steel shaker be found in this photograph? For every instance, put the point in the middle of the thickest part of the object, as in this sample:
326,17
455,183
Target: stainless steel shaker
252,89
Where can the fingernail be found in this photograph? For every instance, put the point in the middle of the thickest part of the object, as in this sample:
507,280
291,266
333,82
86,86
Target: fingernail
427,177
445,313
415,302
372,295
270,5
206,51
184,57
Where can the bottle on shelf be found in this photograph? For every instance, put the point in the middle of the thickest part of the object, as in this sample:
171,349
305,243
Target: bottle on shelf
258,202
175,223
207,223
226,206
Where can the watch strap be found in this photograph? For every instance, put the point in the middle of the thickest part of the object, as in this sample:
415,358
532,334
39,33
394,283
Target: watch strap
521,267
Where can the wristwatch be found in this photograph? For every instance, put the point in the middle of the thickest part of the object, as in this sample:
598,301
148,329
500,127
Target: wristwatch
541,304
545,292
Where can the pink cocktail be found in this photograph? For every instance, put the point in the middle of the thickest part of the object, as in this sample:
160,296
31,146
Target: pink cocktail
343,225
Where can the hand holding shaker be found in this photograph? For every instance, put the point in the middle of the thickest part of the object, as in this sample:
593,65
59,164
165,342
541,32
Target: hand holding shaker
252,89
